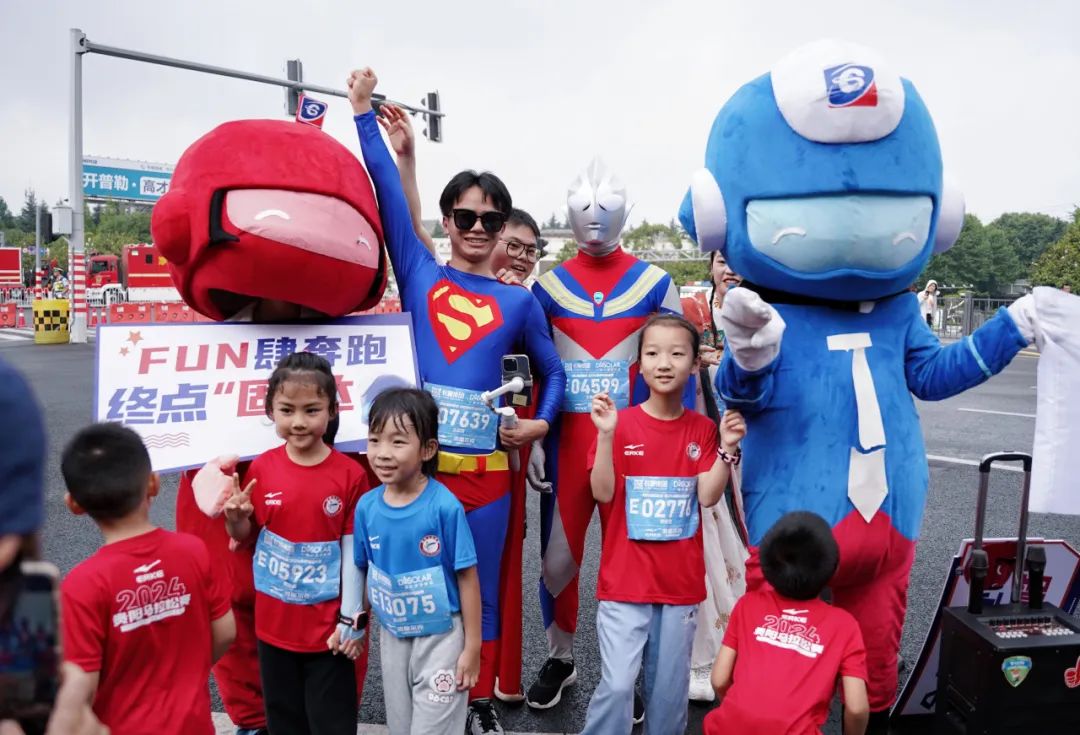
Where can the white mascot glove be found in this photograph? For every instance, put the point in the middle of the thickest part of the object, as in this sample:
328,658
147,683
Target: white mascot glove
752,328
212,487
1022,312
535,472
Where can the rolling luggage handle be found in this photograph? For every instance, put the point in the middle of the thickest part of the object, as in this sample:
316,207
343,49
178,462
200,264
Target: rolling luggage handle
980,562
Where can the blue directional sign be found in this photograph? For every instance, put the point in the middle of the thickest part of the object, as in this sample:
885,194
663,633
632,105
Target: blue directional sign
133,181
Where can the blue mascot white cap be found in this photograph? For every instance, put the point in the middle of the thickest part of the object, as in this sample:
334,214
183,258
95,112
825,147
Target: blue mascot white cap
836,92
823,177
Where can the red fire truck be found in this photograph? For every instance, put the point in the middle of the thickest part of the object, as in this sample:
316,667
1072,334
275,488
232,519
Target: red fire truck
10,268
140,274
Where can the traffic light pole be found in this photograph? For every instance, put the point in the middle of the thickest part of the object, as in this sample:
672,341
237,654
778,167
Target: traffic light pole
80,45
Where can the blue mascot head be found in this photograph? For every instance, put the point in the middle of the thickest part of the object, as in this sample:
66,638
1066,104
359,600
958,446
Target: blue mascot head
823,178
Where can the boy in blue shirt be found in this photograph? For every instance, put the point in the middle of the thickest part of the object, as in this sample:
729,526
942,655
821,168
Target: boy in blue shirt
414,546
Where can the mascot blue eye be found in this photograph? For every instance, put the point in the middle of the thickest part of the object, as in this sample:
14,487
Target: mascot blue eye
872,233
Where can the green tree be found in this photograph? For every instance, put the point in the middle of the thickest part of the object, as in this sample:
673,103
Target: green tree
116,225
569,250
982,258
7,219
25,221
438,230
1059,265
686,271
1029,234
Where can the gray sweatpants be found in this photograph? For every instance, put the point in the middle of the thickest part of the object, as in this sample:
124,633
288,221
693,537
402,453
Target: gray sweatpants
419,687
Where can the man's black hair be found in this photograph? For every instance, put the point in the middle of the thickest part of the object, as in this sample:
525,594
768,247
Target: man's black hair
494,190
799,555
521,218
106,469
419,407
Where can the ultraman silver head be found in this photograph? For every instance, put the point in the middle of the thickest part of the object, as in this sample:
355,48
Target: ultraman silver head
597,209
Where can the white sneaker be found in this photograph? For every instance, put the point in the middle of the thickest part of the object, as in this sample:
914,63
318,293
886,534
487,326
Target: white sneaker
701,685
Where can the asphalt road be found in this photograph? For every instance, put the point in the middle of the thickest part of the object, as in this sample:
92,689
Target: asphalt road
995,416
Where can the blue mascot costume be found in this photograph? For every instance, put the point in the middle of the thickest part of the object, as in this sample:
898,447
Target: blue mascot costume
823,187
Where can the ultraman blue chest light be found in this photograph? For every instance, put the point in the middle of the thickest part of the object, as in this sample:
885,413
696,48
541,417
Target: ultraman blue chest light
823,187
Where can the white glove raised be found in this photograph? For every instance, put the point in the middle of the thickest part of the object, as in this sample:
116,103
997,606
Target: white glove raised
752,329
1022,312
535,472
212,487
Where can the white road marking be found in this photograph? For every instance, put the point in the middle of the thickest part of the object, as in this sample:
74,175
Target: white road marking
970,462
998,413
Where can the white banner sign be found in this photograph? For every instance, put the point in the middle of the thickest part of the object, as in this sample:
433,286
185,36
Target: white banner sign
196,391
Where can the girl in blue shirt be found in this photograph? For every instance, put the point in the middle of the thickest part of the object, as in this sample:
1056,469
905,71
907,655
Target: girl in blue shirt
415,550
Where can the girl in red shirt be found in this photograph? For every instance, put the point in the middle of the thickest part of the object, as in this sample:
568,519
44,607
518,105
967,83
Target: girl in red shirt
297,509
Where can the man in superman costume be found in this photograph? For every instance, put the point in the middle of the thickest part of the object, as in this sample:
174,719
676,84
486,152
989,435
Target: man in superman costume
823,188
464,321
596,303
265,221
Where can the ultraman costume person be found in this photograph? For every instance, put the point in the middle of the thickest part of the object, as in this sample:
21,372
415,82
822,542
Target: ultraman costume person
596,303
823,188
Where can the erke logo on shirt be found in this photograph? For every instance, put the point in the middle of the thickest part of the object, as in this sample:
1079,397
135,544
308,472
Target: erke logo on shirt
634,450
144,574
272,498
430,545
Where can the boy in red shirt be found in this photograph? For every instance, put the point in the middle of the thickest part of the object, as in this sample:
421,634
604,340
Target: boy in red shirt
784,649
651,466
145,616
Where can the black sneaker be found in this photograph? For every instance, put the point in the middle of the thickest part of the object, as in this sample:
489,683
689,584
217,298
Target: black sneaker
483,719
639,709
554,676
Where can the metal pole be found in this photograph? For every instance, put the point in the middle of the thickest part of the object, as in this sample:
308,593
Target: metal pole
37,236
96,48
75,154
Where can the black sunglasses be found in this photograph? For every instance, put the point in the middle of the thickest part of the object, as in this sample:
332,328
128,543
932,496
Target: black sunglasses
492,222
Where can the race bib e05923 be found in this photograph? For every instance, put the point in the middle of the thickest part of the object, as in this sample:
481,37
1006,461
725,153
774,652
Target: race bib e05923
298,573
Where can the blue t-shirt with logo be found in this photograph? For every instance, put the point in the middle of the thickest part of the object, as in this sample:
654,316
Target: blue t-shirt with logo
411,554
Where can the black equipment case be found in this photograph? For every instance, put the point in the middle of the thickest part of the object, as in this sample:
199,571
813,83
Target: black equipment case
1011,668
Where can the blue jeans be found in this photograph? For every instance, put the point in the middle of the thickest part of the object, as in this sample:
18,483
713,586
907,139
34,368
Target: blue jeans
663,636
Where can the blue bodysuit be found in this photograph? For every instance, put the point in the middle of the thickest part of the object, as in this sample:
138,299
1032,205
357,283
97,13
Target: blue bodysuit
463,324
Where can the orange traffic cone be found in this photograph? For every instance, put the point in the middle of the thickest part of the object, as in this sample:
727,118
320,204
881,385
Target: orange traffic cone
21,322
92,320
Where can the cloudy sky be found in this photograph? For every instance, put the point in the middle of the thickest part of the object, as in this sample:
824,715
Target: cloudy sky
533,90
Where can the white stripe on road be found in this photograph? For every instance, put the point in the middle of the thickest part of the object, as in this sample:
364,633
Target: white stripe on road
997,413
12,335
224,727
969,462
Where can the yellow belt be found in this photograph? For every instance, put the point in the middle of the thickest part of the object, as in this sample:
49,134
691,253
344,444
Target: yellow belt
455,464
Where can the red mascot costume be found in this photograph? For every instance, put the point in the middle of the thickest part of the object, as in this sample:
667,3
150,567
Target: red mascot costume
265,220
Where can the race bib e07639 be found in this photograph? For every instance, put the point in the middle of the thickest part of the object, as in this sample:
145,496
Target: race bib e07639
465,421
661,508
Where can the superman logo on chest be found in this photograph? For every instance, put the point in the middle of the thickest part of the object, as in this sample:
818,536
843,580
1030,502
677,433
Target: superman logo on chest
460,318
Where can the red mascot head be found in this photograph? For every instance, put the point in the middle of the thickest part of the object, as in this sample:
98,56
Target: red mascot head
271,210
